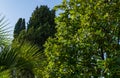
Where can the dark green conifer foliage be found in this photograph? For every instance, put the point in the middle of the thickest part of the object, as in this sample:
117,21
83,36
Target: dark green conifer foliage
41,25
19,26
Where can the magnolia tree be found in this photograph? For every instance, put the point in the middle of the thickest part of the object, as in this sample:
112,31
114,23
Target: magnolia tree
87,40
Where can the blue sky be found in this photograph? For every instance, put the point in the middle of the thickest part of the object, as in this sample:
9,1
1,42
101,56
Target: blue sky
14,9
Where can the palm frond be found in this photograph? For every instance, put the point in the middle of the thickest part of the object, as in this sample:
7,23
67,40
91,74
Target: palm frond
7,59
4,37
26,57
19,55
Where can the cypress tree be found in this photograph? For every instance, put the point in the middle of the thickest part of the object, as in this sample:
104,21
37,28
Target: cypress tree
41,25
19,26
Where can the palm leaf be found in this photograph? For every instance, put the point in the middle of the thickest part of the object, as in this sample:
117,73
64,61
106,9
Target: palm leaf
3,31
18,56
26,57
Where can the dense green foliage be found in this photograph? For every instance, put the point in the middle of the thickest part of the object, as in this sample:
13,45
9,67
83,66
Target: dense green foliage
87,40
86,43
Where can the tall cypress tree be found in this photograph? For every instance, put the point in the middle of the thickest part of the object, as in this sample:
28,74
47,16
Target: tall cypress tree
19,26
41,25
